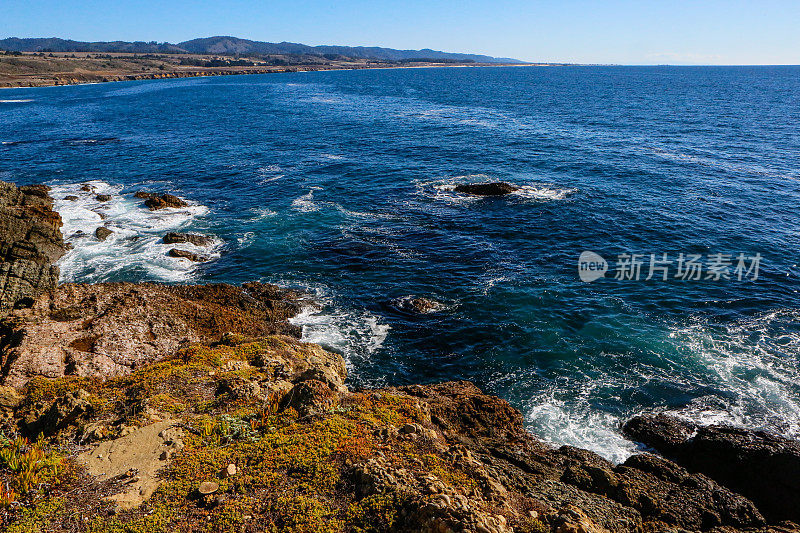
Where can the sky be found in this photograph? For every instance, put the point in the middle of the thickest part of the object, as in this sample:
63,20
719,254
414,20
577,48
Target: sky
731,32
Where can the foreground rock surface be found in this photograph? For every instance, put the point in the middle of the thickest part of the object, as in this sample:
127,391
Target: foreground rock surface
30,242
764,467
108,328
140,407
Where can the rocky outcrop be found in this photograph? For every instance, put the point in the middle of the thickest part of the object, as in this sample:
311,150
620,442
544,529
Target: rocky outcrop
497,188
30,242
763,467
193,238
102,233
206,395
417,305
161,201
109,328
185,254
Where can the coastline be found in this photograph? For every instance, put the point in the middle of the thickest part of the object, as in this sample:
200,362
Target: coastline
211,72
198,406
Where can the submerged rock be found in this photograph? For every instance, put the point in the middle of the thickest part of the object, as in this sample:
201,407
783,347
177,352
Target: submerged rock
417,304
103,197
184,254
193,238
497,188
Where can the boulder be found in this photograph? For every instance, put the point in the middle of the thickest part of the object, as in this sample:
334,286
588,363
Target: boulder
65,411
102,233
310,397
70,197
103,197
143,195
193,238
497,188
185,254
155,202
9,398
761,466
418,305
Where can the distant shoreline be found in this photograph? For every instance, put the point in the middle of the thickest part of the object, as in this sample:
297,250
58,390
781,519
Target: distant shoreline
82,72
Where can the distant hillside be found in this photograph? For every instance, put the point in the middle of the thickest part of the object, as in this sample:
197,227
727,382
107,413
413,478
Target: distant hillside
54,44
234,46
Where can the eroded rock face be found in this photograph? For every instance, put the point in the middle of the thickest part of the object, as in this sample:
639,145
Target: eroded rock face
498,188
155,201
30,242
106,329
764,467
193,238
185,254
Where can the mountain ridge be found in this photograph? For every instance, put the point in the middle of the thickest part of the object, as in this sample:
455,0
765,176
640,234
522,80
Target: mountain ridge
228,45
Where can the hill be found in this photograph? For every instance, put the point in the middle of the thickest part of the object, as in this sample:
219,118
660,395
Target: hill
225,45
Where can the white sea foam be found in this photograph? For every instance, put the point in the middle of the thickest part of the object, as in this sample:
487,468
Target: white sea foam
135,250
749,367
305,203
355,334
755,365
444,189
261,213
544,192
270,173
575,423
16,101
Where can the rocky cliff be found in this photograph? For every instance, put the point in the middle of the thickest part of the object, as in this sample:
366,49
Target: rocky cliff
30,244
139,407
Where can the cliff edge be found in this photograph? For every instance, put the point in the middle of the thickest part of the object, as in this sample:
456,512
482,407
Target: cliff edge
142,407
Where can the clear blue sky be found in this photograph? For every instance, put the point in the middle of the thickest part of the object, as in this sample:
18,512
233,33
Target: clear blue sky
613,31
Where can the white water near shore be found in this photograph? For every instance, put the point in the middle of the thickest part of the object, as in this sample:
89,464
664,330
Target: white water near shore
135,246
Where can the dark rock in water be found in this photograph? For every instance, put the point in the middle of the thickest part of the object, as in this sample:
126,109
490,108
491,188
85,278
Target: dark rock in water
87,188
103,197
184,254
420,305
193,238
763,467
143,195
663,432
102,233
71,198
497,188
30,242
165,200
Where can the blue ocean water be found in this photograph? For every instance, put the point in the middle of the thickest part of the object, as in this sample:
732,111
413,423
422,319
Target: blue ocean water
340,183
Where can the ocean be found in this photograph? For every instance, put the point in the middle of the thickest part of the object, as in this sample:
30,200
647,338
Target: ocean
341,184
